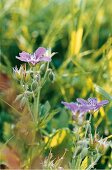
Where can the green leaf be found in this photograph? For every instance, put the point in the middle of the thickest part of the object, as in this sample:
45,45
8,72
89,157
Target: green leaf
48,117
102,92
45,109
109,115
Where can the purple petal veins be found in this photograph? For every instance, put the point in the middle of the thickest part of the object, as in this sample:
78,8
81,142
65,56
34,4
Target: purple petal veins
81,101
83,106
100,104
72,106
41,54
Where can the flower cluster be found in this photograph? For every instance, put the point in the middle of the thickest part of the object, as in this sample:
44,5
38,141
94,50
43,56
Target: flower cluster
41,54
83,106
33,78
19,73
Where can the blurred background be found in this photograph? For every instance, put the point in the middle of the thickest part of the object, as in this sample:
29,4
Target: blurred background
81,32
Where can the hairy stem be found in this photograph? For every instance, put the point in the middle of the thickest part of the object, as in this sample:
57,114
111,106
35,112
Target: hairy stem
38,95
32,116
94,163
44,79
87,127
38,99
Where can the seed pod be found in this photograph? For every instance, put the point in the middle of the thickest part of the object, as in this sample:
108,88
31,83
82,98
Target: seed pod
31,74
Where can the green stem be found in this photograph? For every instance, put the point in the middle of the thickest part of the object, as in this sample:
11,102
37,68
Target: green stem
87,126
44,79
94,163
32,116
38,98
39,90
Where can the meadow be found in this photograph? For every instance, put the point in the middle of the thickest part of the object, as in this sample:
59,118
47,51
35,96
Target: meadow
56,84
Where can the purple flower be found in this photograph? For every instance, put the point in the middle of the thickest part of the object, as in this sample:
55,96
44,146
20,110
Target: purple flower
79,108
83,106
94,102
41,54
74,107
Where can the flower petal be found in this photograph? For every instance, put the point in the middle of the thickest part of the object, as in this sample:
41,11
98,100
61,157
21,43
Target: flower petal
21,59
45,59
103,102
92,101
81,101
39,52
24,55
72,106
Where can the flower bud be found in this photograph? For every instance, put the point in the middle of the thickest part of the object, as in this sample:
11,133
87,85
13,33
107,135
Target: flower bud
51,76
27,77
42,69
23,102
19,73
34,85
102,146
37,77
19,97
31,74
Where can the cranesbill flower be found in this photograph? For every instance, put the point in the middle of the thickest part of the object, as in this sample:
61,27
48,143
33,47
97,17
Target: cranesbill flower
74,107
41,54
83,106
81,109
96,105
